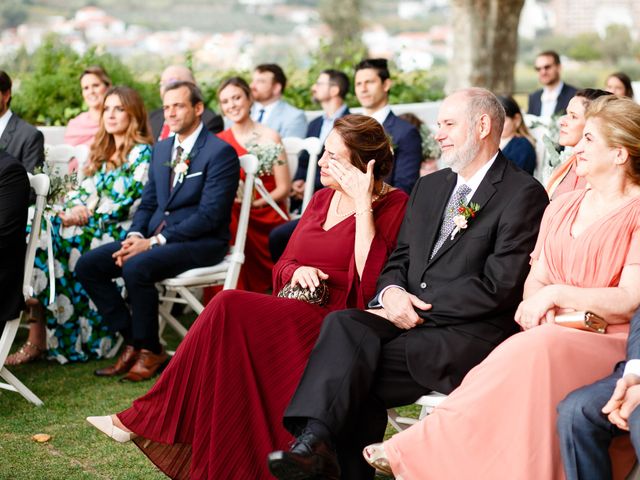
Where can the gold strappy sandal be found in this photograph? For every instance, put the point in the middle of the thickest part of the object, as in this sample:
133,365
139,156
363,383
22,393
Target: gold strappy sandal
376,457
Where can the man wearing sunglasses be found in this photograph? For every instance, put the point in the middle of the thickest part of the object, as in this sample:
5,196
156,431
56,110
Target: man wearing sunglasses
554,95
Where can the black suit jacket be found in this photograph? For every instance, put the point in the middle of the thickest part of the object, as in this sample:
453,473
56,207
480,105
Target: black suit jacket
24,142
212,122
198,210
407,152
14,202
475,281
566,94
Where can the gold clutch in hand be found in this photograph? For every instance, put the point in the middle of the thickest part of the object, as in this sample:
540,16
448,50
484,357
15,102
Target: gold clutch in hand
582,320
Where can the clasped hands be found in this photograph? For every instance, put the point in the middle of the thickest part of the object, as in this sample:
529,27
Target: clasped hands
130,247
537,309
399,308
625,398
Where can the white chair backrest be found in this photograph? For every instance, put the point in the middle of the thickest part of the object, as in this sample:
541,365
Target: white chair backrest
293,146
249,164
58,156
40,183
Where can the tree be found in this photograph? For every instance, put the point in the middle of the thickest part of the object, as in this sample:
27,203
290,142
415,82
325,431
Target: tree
485,44
345,20
617,43
12,14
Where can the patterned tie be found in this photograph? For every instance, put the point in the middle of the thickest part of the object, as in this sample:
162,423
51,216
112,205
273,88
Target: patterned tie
260,115
447,226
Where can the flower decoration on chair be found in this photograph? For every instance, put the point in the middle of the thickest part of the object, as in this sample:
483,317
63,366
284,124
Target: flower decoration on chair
430,146
59,184
465,212
180,169
268,155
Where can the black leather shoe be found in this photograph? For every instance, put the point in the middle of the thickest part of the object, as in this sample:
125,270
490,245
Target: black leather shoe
309,458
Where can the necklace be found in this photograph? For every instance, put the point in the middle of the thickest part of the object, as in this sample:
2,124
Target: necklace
376,197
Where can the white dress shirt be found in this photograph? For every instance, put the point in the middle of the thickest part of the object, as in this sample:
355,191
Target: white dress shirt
268,109
4,121
549,100
381,115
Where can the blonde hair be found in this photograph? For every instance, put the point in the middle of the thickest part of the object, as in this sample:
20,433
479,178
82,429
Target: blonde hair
619,123
138,131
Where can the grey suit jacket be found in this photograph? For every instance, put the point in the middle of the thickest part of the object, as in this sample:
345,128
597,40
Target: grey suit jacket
24,142
285,119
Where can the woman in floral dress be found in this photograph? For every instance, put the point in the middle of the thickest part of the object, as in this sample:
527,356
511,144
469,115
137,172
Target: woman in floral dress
97,211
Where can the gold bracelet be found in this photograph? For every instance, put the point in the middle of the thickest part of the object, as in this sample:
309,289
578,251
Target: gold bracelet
364,211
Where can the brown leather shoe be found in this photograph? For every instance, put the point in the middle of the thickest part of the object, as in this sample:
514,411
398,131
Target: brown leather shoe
146,366
124,363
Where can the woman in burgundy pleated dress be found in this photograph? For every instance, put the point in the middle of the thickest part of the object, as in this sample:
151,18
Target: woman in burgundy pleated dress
215,412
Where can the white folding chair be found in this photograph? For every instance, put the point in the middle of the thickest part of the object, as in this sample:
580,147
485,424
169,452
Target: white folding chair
40,183
59,156
177,289
427,402
293,146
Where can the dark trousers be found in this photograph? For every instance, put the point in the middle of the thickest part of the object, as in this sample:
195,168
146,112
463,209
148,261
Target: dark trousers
96,269
585,432
356,371
279,237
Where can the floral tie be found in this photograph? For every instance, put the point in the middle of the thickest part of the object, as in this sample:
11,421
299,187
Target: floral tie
458,198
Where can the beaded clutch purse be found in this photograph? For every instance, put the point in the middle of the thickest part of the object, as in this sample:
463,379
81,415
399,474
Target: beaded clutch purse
320,296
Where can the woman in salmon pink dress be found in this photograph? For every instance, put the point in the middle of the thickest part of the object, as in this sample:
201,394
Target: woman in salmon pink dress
500,422
215,411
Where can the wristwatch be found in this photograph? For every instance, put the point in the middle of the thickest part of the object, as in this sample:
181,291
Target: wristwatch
153,242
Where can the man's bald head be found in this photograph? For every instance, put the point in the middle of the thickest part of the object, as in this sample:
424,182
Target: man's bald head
173,74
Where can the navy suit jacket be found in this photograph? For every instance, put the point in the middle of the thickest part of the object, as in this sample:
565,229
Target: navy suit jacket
566,94
197,210
313,130
407,150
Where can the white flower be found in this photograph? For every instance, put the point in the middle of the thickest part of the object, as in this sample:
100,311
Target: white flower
97,242
74,256
52,340
140,173
105,346
62,309
40,281
460,222
134,154
106,205
181,168
119,186
70,232
58,269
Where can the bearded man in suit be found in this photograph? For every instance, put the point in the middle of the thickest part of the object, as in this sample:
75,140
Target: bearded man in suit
446,298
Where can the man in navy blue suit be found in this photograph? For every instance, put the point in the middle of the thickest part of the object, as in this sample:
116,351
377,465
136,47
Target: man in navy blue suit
554,97
372,86
182,223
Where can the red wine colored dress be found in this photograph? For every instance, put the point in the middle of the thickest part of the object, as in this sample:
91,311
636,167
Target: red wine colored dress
216,411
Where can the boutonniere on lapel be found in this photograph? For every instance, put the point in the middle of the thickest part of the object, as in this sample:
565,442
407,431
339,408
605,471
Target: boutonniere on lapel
465,212
180,169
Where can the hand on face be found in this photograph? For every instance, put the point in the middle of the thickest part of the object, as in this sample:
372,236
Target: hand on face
354,183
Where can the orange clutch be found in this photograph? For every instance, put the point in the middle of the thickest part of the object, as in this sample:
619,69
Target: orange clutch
582,320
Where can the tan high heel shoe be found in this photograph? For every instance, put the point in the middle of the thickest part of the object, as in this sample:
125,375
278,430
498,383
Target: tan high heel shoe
106,426
376,457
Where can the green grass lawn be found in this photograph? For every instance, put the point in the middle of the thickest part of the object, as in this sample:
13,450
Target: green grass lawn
76,450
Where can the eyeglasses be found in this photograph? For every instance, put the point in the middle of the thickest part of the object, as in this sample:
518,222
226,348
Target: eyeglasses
544,67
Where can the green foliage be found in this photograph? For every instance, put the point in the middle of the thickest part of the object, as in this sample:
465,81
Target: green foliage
617,43
49,93
584,47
